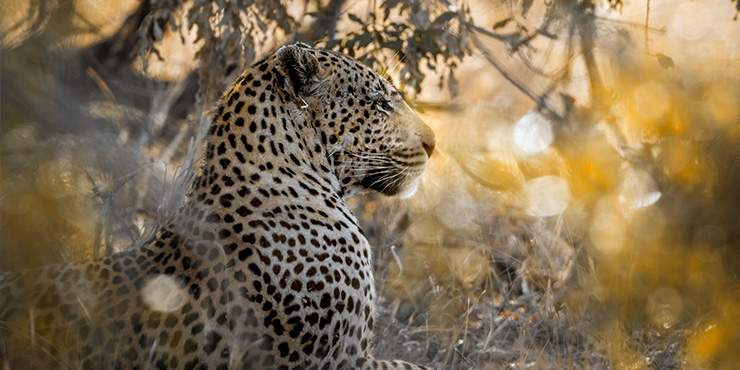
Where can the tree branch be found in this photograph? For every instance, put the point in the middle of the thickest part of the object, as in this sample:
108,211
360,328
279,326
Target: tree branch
513,80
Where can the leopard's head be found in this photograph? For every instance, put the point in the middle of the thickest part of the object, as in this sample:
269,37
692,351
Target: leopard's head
370,135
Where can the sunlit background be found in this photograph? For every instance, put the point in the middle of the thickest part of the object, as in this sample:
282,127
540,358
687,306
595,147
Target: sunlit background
581,210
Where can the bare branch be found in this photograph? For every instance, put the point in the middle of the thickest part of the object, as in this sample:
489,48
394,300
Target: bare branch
513,80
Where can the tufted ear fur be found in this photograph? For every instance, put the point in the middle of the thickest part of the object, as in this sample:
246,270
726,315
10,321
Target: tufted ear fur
300,69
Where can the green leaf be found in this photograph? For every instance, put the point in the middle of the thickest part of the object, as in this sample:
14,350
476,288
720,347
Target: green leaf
157,31
300,37
427,44
501,23
355,19
365,39
452,84
379,38
350,46
665,61
332,44
526,4
395,45
444,18
317,15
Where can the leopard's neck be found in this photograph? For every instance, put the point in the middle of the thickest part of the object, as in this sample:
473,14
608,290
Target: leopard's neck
255,151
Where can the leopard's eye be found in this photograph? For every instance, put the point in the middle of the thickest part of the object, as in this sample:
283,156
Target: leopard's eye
384,106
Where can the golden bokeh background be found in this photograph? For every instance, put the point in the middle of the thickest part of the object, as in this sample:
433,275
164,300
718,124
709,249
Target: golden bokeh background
607,234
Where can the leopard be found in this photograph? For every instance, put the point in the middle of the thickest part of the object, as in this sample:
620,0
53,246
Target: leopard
263,265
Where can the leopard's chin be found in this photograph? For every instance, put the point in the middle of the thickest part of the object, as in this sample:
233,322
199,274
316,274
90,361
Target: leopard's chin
400,183
409,191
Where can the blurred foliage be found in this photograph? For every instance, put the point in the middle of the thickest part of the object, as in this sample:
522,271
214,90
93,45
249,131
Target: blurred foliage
581,210
418,33
428,33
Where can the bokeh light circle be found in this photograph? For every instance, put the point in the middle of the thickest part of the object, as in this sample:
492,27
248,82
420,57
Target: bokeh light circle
163,294
547,196
532,134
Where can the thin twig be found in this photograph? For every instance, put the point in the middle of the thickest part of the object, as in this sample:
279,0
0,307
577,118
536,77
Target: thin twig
630,24
514,81
647,23
486,32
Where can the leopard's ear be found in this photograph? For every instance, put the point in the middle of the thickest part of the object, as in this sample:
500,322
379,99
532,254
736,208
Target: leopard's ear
300,69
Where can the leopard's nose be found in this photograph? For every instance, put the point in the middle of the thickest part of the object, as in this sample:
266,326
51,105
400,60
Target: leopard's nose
429,147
